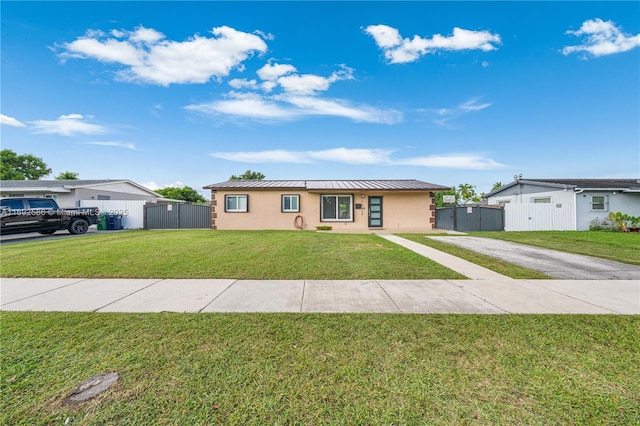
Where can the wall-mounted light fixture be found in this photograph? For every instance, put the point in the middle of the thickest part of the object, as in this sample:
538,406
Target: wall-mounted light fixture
362,196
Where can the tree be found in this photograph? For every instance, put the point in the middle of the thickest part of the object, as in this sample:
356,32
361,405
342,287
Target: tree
185,193
439,198
465,193
21,167
248,175
67,176
496,186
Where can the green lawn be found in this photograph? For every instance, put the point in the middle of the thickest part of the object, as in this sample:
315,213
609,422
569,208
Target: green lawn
619,246
220,254
313,369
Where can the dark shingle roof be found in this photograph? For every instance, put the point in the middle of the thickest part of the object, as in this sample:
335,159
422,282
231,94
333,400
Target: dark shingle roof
331,185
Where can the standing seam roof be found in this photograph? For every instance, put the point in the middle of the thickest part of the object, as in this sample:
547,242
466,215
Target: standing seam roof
405,184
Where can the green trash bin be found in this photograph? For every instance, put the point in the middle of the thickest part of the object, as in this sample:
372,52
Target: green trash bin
103,222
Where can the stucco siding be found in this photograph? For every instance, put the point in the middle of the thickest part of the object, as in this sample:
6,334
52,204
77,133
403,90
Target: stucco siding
628,203
403,210
92,194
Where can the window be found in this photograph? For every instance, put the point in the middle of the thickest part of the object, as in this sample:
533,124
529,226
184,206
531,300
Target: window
13,204
104,197
236,203
542,200
291,203
336,207
41,204
503,202
599,203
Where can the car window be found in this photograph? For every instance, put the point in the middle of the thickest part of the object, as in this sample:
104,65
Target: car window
12,204
40,204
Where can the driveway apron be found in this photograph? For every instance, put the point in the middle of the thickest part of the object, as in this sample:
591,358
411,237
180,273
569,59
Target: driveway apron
554,263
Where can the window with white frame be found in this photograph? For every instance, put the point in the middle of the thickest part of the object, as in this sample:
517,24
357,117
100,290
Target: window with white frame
541,200
599,203
236,203
336,208
290,203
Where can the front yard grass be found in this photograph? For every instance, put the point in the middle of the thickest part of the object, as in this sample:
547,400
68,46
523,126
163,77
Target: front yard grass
312,369
618,246
219,254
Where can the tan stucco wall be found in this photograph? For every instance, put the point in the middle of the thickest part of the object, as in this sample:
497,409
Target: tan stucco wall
408,211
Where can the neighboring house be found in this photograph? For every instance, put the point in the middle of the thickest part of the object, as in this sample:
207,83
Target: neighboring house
68,193
565,204
345,205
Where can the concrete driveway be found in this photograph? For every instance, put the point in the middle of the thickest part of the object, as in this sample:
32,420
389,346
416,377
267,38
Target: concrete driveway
554,263
35,236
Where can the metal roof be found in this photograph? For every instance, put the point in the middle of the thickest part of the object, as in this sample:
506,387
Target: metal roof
331,185
593,183
63,185
53,183
575,184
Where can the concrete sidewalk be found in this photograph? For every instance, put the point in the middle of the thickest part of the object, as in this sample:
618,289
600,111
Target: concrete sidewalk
377,296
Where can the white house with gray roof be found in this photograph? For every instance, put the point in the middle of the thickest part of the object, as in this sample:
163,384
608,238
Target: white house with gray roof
564,204
68,193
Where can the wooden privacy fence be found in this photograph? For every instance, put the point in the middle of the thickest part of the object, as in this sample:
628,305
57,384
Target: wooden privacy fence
177,216
470,218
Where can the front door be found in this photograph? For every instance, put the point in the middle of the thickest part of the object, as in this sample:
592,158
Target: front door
375,212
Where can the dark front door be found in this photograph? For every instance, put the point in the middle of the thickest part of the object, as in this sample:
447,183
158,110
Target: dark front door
375,212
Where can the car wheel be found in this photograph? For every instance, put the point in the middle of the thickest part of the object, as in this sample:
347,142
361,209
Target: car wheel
47,232
78,226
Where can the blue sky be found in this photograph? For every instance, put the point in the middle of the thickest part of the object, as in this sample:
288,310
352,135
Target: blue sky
189,93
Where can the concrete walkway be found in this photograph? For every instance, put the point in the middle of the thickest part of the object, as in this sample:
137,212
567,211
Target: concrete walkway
485,293
466,268
380,296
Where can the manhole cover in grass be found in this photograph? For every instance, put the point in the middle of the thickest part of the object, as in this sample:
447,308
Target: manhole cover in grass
91,387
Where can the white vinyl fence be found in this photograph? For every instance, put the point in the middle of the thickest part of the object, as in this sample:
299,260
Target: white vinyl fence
132,211
539,217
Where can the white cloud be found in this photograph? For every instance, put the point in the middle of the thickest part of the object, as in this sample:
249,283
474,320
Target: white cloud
304,84
352,155
250,106
67,125
10,121
241,83
380,157
274,156
443,116
271,72
602,38
398,50
453,161
297,98
285,108
115,144
308,105
149,58
154,186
